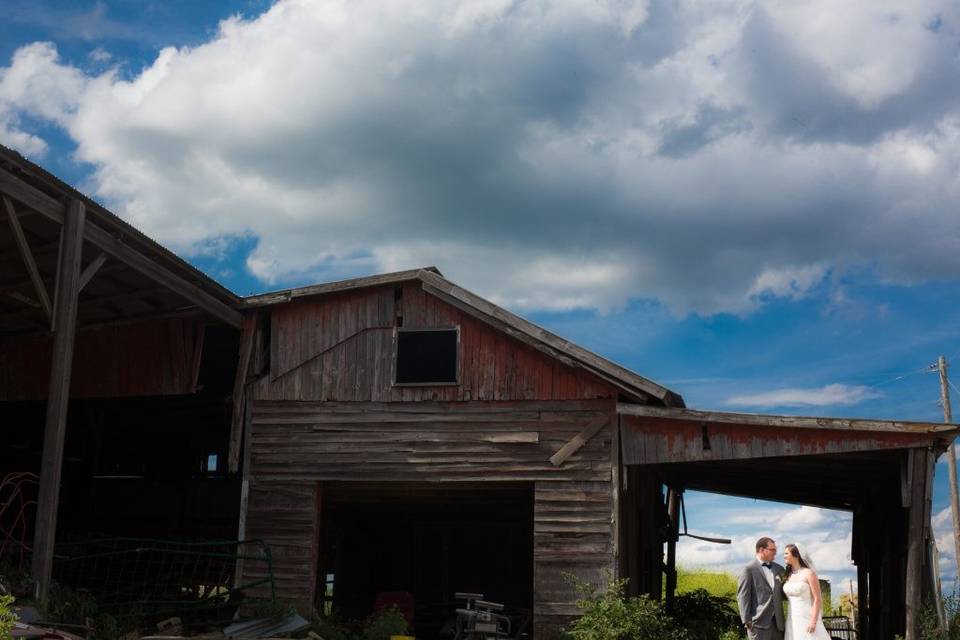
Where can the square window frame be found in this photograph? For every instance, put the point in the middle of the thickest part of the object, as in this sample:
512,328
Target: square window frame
396,348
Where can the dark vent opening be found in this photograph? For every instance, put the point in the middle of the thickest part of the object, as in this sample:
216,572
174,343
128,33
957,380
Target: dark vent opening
427,356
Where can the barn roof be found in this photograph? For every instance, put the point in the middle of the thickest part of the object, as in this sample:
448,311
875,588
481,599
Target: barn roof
126,275
766,421
632,385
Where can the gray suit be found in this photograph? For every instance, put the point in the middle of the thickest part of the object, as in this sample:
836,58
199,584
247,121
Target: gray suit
760,604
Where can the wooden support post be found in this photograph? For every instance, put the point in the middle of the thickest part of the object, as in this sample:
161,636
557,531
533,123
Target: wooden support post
916,540
247,333
673,513
951,459
616,468
244,496
65,314
863,600
650,578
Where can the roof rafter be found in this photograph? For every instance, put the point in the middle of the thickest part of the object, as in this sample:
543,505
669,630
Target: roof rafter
115,247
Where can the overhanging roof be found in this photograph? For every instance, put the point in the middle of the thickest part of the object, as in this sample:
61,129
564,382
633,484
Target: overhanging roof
632,385
129,276
794,422
666,435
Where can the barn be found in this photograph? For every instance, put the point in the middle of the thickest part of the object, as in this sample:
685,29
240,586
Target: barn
404,435
401,434
394,434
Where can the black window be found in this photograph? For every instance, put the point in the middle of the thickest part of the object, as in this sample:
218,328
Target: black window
426,356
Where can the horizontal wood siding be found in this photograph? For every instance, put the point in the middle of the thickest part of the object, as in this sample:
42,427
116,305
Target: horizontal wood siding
340,347
296,446
149,358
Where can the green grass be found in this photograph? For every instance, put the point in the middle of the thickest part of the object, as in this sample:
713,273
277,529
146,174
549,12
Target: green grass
716,584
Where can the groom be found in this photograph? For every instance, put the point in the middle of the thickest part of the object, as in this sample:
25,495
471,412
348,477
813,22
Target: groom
760,594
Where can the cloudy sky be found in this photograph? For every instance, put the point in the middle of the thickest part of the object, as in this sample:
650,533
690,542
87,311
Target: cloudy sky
754,203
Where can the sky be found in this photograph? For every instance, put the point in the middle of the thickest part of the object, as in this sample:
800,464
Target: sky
752,203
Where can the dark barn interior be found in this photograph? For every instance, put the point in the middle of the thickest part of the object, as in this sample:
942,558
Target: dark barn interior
429,540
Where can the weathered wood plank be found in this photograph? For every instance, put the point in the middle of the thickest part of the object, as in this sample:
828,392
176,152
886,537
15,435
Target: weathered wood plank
65,314
27,256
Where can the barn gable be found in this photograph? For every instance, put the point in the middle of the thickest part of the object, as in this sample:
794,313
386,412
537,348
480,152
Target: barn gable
338,342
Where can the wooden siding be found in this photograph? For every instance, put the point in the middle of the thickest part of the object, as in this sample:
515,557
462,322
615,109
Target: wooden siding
296,446
340,347
149,358
655,441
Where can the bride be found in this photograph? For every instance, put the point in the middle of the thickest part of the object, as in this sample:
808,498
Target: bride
802,588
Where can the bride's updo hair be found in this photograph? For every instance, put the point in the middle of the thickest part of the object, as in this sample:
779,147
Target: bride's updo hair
793,551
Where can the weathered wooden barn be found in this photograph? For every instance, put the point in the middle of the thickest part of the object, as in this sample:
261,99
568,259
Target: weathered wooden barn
388,434
402,434
399,437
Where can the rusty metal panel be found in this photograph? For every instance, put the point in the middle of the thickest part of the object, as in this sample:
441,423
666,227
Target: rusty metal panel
657,441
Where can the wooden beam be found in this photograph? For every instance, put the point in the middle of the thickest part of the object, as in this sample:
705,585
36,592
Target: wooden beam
32,197
197,357
577,441
58,398
27,256
92,269
115,247
798,422
247,333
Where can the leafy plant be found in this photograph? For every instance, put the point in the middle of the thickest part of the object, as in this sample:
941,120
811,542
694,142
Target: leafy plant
731,634
706,616
386,623
609,615
68,605
8,617
329,628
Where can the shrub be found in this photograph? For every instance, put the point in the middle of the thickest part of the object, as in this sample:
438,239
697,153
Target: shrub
706,616
610,615
329,628
386,623
7,617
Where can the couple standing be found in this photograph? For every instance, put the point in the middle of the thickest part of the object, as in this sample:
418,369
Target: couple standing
763,583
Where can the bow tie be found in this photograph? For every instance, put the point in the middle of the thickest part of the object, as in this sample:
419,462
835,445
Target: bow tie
766,564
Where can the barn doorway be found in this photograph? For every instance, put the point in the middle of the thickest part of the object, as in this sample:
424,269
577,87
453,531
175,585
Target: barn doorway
419,543
826,533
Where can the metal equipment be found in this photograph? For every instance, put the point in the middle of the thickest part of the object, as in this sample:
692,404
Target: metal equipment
480,619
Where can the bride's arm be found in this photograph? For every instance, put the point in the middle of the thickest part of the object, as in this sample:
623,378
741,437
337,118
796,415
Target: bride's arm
817,600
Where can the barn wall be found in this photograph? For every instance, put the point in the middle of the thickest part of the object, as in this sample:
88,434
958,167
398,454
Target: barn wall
296,446
149,358
340,347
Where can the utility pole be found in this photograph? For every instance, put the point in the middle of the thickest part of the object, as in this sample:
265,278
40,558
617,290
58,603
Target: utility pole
951,459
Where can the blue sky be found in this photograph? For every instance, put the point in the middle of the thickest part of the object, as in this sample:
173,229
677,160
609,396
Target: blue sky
753,203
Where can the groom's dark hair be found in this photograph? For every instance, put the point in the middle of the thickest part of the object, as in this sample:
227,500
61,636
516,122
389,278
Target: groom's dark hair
762,543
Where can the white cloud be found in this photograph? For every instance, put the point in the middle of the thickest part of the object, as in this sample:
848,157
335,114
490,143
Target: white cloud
828,395
825,534
547,154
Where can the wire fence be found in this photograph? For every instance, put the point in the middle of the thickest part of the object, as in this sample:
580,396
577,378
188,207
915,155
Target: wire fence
158,578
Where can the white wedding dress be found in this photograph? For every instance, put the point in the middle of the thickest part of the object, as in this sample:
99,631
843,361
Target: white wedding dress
800,598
